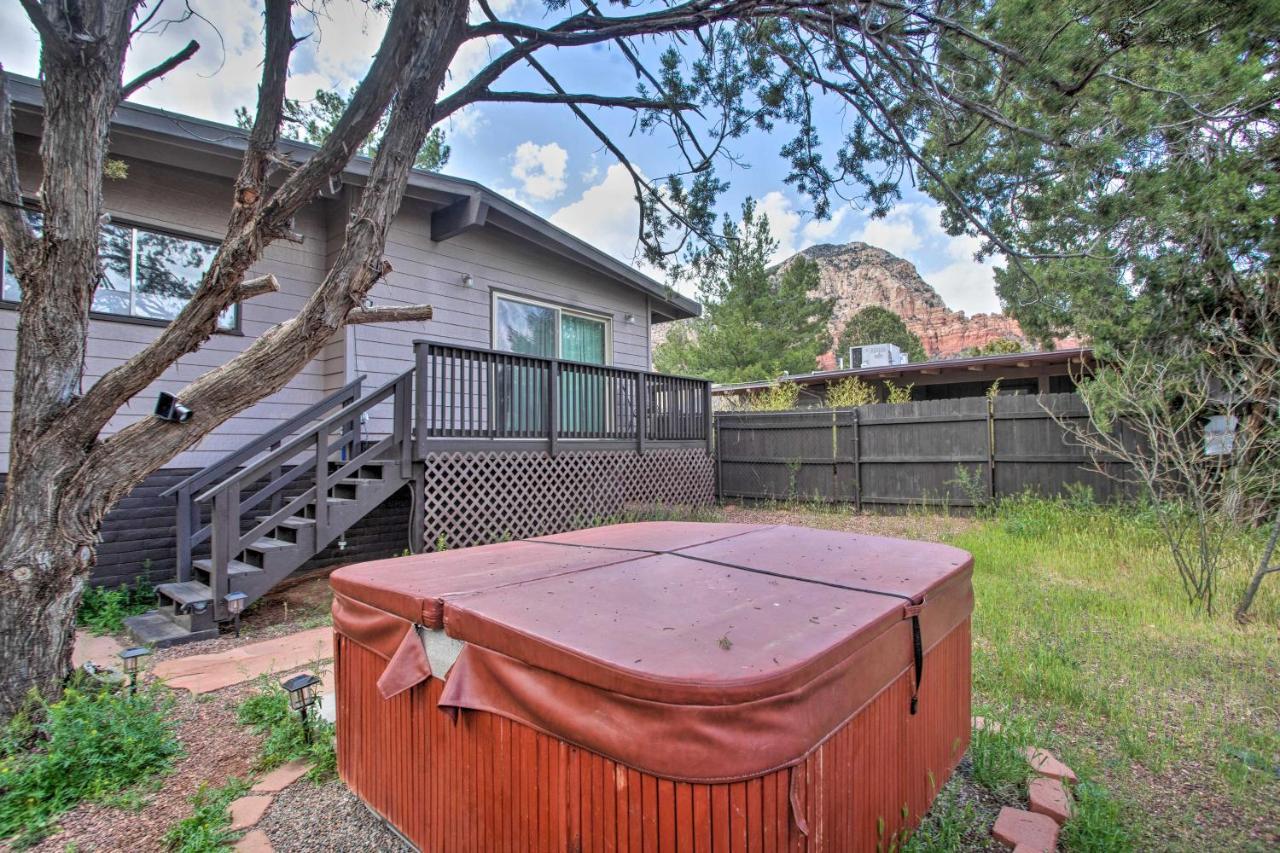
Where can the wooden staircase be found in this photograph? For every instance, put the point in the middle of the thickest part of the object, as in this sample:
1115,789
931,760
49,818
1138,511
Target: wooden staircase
276,503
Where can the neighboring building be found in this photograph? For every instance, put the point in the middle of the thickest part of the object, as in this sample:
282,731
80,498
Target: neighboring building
497,276
1018,373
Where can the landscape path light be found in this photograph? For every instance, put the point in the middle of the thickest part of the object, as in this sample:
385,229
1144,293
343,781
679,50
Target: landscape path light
302,695
235,606
132,659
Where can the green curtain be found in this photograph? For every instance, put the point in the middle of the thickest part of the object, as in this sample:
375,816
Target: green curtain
581,339
582,397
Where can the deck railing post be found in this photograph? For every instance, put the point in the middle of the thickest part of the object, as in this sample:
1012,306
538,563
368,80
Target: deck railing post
642,411
226,540
403,426
553,401
183,533
322,488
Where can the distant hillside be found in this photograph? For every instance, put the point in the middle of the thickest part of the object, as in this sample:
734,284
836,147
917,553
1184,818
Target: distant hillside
858,275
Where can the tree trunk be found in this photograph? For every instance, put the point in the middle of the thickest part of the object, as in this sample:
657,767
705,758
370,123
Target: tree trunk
1264,568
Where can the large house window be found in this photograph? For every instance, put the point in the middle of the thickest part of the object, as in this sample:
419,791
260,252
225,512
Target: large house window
537,328
145,274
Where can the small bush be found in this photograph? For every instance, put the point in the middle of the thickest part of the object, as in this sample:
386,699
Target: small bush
850,392
103,610
206,831
266,711
897,393
779,397
90,745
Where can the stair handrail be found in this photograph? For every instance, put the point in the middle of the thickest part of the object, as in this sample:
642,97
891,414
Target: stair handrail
224,526
188,511
303,440
345,395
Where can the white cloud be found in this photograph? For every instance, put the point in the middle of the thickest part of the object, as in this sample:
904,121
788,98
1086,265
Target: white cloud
540,169
896,233
605,215
790,227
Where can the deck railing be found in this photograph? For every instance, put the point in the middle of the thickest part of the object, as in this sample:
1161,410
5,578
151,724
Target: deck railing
472,398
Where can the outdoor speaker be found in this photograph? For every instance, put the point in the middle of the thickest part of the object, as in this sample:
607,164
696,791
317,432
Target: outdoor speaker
169,409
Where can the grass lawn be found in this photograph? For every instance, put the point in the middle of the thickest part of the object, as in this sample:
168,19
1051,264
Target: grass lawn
1084,643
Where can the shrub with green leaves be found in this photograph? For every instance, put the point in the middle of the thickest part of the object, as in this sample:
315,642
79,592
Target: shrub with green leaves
103,609
92,744
207,830
266,711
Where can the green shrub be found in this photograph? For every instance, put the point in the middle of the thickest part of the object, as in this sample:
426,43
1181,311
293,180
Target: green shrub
90,745
103,610
207,830
266,711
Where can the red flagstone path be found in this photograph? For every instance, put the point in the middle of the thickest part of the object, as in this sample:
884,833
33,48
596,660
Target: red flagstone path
209,672
101,651
1049,797
1034,831
280,778
1023,830
1046,764
254,841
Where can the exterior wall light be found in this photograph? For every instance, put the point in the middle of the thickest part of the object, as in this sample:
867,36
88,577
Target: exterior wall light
302,695
235,602
628,318
169,409
467,280
132,658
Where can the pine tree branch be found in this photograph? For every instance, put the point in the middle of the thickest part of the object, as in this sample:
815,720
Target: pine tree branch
160,70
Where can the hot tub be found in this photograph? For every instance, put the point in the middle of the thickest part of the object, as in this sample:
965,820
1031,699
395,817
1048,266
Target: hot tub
655,686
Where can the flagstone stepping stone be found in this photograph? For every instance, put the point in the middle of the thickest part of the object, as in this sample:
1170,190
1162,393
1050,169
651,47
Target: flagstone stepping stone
1049,797
216,670
1046,764
280,778
247,811
254,841
1025,831
101,651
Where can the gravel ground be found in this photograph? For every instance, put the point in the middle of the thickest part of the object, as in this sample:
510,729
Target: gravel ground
216,748
327,818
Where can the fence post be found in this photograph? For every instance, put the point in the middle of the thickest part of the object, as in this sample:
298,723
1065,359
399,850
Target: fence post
719,451
322,487
991,448
857,461
706,405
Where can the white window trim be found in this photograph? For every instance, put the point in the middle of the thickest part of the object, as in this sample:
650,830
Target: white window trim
560,310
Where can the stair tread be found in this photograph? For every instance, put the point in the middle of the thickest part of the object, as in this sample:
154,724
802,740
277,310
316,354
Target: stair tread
291,521
153,629
267,543
235,567
186,592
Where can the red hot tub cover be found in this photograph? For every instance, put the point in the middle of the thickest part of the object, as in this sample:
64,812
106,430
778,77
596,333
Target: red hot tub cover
695,652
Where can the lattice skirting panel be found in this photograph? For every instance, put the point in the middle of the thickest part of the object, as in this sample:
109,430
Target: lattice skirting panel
477,498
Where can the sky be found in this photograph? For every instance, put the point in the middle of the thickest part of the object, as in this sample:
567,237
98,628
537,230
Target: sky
538,155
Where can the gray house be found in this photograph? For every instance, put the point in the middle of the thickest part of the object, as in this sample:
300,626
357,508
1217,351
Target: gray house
524,405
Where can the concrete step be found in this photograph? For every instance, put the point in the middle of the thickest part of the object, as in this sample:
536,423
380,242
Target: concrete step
153,629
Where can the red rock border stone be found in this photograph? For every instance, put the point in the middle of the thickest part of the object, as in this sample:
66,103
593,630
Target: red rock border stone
1035,830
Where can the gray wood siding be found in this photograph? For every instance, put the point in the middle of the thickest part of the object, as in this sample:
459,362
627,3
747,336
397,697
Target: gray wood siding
192,204
431,272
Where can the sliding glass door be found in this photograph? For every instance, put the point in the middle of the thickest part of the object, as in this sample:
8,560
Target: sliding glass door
527,327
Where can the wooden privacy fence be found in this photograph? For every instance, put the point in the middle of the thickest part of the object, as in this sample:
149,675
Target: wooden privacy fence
959,452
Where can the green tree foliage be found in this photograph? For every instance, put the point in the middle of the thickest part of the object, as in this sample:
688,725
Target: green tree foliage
999,346
849,392
315,121
1148,193
755,325
877,325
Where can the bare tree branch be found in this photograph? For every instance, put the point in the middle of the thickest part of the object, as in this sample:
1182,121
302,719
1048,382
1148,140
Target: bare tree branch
160,70
389,314
623,101
50,38
259,286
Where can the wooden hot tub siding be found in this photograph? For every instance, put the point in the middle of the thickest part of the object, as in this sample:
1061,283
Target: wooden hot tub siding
486,783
